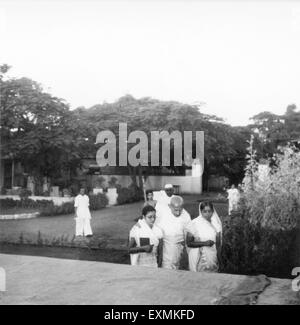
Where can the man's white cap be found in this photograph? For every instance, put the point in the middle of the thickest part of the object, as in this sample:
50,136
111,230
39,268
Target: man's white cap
168,186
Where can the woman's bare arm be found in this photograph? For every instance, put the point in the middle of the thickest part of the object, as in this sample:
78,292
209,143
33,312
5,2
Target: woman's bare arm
190,241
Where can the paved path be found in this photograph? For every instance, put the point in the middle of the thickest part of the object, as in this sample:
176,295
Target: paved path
40,280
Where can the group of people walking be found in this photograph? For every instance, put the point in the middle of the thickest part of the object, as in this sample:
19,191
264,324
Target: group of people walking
165,230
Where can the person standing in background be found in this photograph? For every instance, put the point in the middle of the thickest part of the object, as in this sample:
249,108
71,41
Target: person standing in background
82,214
233,198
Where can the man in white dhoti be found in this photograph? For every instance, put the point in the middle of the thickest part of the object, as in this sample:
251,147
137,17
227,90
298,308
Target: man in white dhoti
172,222
204,237
83,215
233,198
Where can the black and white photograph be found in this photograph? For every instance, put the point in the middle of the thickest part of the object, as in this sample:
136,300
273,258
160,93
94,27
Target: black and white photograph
149,155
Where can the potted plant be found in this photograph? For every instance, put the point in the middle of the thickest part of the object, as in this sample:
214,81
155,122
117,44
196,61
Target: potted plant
98,185
66,192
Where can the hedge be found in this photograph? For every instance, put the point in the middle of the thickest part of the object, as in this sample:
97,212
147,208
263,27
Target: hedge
251,249
47,208
23,203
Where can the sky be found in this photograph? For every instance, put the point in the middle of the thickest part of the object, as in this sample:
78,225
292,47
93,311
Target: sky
236,58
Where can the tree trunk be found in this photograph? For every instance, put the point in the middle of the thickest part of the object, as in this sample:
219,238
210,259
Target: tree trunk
132,172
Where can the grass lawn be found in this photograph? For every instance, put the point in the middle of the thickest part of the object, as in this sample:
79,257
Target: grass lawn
110,226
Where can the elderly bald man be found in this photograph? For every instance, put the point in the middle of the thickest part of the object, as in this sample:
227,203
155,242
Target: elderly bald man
173,223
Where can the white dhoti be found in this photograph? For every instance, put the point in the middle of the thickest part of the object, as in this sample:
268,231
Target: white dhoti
83,227
172,253
83,216
173,236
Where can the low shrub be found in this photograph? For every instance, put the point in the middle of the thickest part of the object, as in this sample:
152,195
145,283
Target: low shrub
54,210
24,193
129,194
251,249
124,196
8,203
98,201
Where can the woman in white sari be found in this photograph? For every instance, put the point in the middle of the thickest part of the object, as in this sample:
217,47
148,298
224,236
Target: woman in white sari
203,237
145,240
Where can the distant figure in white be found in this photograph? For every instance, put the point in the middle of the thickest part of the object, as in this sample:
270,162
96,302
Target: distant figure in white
173,222
233,198
167,194
163,200
83,215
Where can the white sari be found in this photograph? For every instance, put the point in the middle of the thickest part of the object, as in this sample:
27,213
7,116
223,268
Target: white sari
144,231
204,258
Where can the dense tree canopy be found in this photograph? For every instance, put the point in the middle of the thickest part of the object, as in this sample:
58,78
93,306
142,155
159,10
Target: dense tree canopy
275,130
36,128
50,139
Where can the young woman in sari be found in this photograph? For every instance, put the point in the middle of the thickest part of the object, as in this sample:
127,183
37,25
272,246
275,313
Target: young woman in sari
204,235
145,240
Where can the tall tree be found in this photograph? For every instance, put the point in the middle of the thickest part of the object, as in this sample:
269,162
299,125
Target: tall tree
36,127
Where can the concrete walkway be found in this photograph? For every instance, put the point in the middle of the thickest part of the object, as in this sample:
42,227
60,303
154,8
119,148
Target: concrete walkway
40,280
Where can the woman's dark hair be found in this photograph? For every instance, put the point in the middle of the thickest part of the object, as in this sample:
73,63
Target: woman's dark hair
147,209
149,191
203,205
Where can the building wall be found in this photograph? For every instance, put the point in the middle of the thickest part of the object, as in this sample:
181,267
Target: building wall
188,184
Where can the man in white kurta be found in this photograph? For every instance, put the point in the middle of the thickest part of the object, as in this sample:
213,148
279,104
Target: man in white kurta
173,221
83,215
163,200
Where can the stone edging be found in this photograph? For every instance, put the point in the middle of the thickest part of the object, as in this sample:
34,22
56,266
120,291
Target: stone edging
19,216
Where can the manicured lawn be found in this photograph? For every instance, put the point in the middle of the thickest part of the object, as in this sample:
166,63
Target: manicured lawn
110,226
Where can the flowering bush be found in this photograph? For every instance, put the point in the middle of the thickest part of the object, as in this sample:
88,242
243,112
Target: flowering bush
261,237
273,198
